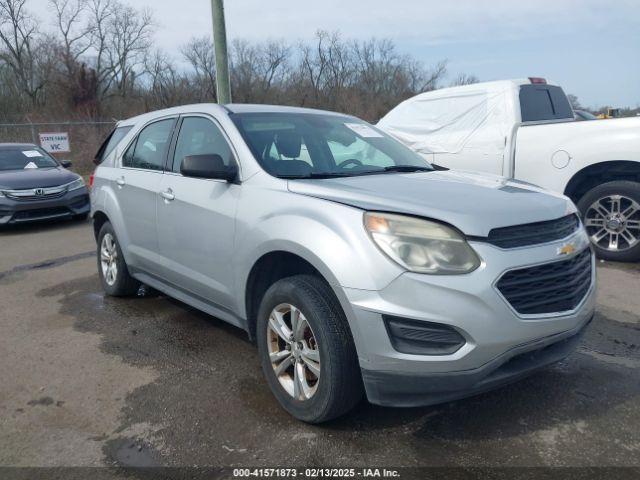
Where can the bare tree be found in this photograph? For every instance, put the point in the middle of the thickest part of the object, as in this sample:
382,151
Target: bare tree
199,53
255,69
73,33
464,79
167,87
574,101
131,37
23,49
121,37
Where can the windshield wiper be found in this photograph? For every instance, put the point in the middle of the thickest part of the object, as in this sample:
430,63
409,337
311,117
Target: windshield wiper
316,175
407,168
356,173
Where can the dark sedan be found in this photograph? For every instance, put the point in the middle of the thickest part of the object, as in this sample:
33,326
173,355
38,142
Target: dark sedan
36,186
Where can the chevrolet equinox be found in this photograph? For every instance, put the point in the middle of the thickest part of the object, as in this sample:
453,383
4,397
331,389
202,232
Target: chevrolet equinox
356,266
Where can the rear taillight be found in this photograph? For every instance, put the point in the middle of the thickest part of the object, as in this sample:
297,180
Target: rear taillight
538,80
91,180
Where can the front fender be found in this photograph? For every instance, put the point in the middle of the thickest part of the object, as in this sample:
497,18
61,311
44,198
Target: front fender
329,236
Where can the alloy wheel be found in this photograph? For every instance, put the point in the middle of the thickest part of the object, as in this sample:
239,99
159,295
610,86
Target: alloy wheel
613,223
293,351
108,259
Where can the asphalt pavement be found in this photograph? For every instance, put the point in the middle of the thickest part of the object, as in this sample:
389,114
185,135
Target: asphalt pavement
88,380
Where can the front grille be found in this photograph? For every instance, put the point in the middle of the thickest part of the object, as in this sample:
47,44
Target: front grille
40,213
549,288
534,233
28,195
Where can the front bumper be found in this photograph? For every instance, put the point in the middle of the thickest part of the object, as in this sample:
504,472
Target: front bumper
411,390
71,204
500,345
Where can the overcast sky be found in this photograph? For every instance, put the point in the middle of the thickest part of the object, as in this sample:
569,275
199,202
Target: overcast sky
590,47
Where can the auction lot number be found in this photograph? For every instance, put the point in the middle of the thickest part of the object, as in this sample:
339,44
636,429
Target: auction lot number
315,472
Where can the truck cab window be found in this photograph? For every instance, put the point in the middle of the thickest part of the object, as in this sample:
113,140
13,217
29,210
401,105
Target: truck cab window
544,102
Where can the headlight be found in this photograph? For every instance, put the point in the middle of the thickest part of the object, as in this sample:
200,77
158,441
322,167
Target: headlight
420,245
76,184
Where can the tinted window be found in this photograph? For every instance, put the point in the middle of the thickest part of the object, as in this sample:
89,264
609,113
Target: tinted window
25,158
149,151
544,102
110,143
200,136
302,144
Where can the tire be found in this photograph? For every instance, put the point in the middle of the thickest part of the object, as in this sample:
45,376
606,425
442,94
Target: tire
121,284
338,388
622,227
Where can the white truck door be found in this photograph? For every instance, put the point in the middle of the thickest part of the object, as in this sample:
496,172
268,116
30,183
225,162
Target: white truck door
545,142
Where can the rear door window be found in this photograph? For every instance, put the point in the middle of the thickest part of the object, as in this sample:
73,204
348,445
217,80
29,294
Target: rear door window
544,102
116,135
149,150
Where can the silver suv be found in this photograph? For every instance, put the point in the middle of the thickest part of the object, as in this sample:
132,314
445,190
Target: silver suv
356,266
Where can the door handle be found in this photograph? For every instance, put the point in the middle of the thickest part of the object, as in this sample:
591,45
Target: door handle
120,181
167,194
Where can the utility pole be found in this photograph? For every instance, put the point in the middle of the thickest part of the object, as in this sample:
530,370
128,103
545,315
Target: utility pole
223,87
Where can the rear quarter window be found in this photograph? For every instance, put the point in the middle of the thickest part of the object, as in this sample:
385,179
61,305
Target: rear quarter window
544,102
110,143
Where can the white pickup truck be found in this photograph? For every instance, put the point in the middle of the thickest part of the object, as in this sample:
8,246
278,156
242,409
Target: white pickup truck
526,129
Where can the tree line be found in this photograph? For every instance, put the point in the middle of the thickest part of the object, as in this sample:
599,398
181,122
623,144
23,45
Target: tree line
96,59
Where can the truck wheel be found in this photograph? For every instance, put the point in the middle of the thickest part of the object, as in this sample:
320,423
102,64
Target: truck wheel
611,215
306,350
112,269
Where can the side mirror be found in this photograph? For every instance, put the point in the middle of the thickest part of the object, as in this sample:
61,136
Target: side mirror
208,166
65,163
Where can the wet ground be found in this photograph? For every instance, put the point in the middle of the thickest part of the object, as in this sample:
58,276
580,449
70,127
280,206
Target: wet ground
87,380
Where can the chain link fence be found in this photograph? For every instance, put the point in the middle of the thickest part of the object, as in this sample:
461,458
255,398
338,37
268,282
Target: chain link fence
84,139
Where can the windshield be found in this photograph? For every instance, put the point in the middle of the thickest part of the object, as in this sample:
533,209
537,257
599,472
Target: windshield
307,145
25,158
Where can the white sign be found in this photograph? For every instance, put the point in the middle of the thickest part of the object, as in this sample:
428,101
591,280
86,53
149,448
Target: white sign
55,142
31,153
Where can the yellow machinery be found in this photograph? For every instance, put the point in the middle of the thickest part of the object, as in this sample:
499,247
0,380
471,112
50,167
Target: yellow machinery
611,113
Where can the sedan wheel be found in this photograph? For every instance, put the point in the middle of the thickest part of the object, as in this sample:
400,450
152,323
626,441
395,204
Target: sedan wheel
293,351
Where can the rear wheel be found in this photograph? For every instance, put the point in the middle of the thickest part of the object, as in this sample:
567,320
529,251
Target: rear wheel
112,267
611,215
306,350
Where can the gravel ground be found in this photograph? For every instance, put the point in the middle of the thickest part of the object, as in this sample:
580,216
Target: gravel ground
93,381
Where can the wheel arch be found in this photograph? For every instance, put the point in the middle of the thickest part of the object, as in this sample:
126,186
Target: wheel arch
276,265
599,173
99,219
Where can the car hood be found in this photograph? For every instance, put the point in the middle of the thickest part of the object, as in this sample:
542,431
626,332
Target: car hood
35,178
473,203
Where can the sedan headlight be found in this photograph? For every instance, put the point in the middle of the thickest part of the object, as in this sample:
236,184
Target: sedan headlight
420,245
76,184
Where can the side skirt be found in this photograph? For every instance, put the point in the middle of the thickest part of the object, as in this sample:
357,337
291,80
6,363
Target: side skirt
192,300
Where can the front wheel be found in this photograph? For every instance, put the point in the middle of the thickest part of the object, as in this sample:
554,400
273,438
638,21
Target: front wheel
306,350
611,215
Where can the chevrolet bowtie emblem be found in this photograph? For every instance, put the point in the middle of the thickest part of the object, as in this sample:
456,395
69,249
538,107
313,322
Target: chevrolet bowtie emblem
567,249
